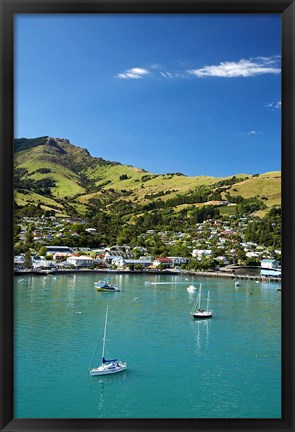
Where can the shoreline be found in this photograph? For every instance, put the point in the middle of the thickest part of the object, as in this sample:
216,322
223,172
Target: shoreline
219,274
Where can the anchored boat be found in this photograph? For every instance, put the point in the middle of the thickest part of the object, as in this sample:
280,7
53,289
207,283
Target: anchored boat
197,312
191,288
107,366
105,285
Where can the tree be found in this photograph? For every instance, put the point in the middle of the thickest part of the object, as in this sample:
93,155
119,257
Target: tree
28,260
179,249
19,248
42,251
29,238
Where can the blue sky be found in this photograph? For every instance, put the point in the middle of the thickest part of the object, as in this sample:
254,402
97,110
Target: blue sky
197,94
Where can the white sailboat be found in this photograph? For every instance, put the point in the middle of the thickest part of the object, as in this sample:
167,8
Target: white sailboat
191,288
107,366
197,312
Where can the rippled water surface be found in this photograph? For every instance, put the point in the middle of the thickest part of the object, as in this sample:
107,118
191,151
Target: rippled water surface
177,367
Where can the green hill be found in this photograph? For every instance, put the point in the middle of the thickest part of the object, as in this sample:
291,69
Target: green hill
66,179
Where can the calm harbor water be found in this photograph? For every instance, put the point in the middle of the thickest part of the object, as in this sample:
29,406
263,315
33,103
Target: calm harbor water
177,367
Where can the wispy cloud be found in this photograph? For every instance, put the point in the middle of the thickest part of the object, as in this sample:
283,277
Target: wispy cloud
242,68
253,132
274,105
174,75
134,73
156,66
167,75
227,69
250,133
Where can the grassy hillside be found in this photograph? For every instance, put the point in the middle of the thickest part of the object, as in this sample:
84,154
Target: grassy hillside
266,186
67,179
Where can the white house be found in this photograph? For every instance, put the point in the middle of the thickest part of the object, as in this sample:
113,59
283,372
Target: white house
19,259
91,230
135,262
123,263
81,261
270,267
201,252
269,263
178,260
109,257
222,259
252,254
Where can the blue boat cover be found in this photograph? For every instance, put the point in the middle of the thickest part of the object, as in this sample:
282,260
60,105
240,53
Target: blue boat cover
108,361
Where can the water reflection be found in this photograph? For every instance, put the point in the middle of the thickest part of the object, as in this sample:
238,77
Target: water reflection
106,384
201,332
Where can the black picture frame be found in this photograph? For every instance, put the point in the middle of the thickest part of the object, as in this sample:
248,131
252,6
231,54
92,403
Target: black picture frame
8,9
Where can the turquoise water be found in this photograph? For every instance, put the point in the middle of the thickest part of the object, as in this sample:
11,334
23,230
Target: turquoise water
177,367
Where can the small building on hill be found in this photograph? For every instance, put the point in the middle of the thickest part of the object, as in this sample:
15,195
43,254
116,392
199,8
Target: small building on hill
51,250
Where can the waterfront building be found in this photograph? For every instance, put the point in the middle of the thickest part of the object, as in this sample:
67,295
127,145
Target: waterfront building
270,268
166,262
269,263
178,260
81,261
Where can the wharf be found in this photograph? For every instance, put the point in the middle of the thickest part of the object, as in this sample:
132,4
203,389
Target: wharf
220,274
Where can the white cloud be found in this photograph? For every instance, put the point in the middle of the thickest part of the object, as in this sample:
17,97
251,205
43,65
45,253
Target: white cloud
134,73
242,68
274,105
227,69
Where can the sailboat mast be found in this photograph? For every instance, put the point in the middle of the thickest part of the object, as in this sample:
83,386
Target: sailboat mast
208,301
200,294
104,334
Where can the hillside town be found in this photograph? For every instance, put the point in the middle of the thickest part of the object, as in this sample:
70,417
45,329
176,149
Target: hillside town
49,244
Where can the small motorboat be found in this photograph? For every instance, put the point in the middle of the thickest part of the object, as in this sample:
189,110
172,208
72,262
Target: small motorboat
104,285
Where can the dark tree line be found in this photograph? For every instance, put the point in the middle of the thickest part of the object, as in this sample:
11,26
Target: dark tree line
266,231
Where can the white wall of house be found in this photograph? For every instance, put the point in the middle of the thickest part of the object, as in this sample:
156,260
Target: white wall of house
268,263
134,262
108,257
201,252
81,261
178,260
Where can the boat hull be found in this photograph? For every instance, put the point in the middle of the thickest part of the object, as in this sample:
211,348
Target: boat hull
107,370
107,289
202,316
105,286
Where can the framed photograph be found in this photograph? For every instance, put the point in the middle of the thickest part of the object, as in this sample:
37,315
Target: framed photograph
147,217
